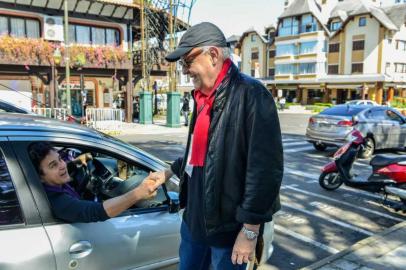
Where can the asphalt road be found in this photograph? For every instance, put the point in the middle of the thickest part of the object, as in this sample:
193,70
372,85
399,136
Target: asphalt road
313,223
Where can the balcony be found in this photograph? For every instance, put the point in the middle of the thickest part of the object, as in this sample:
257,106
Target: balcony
38,52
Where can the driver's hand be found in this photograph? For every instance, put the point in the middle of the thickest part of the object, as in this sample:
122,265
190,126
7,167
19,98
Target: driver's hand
147,189
84,158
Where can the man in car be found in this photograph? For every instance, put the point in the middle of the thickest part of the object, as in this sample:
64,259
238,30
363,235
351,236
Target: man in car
232,169
66,203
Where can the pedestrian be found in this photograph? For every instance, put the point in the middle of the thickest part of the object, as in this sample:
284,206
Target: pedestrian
231,172
136,109
185,108
282,103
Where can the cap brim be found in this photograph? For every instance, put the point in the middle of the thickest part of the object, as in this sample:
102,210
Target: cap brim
177,54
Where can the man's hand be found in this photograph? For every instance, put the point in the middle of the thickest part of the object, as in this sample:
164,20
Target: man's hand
147,189
244,249
162,176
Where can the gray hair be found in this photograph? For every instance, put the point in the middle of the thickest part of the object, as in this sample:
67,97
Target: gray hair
225,51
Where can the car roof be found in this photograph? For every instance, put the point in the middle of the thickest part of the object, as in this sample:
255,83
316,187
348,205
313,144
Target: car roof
12,122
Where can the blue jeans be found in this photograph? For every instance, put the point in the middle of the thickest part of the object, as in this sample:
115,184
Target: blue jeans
198,256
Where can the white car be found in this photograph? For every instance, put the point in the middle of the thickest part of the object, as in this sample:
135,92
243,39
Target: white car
362,102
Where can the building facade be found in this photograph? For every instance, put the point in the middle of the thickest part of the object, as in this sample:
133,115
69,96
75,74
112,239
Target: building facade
334,51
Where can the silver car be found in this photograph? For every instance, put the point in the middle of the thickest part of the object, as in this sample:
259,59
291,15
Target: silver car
146,236
383,127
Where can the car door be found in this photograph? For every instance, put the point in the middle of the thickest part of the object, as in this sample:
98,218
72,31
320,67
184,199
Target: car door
376,125
144,237
24,242
395,130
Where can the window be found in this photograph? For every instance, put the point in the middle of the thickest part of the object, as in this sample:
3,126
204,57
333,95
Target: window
286,49
332,69
272,54
84,34
401,45
271,72
334,26
286,69
252,72
400,67
308,47
357,68
19,27
376,114
10,212
307,68
392,116
335,47
358,45
289,27
253,38
308,24
362,21
254,55
111,176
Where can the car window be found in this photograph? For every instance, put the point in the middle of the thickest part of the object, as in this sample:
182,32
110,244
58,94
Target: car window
10,212
376,115
343,110
105,176
392,116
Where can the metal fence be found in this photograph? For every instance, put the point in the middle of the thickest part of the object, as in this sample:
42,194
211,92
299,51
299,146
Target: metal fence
105,119
56,113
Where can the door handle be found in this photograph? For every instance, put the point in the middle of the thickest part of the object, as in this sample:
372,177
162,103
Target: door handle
80,249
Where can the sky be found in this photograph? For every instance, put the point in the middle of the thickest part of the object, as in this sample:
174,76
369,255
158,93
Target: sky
236,16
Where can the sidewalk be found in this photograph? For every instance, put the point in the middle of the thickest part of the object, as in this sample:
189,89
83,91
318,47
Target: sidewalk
158,127
383,251
295,109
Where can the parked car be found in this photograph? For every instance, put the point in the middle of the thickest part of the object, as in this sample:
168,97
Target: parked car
383,127
145,236
362,102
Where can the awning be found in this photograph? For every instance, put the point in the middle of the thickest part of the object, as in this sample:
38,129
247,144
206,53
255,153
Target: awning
119,9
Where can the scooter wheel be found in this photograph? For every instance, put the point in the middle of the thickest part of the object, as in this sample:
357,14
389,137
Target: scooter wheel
330,181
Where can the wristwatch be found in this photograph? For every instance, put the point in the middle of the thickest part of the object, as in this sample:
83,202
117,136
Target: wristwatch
251,235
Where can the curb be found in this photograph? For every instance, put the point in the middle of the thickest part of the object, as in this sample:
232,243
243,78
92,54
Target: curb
355,247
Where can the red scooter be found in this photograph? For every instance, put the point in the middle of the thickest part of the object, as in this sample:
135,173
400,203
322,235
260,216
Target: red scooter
388,173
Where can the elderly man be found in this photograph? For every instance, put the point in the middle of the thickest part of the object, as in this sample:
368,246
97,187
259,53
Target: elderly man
232,169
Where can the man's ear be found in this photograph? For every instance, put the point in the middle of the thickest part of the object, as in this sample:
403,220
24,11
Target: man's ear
215,55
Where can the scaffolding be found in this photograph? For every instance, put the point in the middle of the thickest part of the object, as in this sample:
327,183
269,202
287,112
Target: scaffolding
161,20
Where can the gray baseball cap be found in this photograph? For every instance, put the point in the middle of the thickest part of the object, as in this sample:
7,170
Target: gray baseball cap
199,35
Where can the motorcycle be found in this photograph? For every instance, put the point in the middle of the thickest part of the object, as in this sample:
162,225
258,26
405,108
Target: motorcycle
388,173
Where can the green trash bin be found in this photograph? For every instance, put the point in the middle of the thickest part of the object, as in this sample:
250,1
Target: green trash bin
145,108
173,109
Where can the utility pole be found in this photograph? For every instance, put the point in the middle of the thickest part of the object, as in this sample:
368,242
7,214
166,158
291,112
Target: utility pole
172,65
143,64
67,59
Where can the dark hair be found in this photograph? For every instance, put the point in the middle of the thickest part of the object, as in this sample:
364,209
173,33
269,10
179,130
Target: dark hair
38,151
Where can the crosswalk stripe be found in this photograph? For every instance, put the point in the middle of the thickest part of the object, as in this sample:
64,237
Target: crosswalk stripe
305,239
316,177
289,140
312,194
296,143
294,150
331,220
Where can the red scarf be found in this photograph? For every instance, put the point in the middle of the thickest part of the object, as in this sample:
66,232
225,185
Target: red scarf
204,104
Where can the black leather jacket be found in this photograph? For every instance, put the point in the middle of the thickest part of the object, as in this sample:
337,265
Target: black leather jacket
244,161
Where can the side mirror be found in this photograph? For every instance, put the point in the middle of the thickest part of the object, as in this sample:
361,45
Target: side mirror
173,202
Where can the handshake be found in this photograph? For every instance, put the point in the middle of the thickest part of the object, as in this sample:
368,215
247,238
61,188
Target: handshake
149,186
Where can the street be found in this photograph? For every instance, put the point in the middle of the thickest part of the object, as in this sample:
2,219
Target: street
313,223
